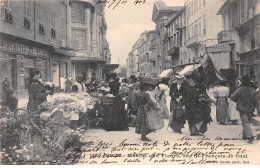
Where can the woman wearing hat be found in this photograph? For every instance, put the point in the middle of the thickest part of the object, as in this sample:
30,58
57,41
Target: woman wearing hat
178,99
197,107
115,117
221,93
144,104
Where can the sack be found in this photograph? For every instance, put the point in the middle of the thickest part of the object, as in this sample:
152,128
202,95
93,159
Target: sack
155,120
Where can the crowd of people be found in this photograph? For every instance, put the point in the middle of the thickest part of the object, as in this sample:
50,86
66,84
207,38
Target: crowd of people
138,103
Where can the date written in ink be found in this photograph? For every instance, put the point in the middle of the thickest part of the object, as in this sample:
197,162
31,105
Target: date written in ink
116,3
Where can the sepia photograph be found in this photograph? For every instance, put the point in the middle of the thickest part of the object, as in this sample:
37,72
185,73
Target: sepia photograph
129,82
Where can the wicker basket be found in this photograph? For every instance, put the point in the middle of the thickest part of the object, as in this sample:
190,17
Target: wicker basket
150,80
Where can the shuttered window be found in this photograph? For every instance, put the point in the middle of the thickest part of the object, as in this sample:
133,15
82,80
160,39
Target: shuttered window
78,13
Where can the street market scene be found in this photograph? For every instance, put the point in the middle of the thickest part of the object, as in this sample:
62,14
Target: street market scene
180,87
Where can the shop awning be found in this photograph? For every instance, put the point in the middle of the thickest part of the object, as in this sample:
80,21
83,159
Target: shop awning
166,73
189,69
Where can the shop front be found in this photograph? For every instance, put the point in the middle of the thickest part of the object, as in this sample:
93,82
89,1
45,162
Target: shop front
249,64
18,57
60,66
86,67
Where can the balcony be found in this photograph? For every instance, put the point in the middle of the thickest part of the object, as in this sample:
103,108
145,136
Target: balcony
193,41
225,35
248,25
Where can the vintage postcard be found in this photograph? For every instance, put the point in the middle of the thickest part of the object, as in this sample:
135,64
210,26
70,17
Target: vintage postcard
129,82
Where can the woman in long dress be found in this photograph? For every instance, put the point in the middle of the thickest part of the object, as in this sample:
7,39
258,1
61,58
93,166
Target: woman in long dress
115,116
163,92
222,107
197,107
144,102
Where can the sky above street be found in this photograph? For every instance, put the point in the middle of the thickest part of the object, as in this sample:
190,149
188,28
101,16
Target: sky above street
125,24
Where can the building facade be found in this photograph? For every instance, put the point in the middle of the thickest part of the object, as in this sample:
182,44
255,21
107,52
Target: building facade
132,64
202,28
88,38
146,62
33,34
175,39
241,28
53,36
161,16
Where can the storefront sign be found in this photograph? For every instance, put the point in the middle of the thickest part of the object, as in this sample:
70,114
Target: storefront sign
21,48
225,47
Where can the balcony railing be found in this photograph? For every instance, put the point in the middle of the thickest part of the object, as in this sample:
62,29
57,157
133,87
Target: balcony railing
225,35
192,41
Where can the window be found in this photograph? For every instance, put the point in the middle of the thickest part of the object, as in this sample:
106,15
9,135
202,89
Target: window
77,13
53,33
41,28
204,2
192,8
199,4
53,23
44,70
63,26
242,11
195,6
27,14
78,39
8,11
53,19
204,25
253,40
257,37
200,27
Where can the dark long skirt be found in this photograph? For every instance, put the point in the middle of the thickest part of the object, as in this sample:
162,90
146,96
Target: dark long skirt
198,118
178,118
115,116
142,125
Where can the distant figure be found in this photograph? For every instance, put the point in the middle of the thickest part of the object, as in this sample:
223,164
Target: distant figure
245,97
5,87
11,101
254,83
68,85
131,103
79,83
221,93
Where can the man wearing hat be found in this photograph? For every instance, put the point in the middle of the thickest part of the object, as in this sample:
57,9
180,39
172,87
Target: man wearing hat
197,114
178,99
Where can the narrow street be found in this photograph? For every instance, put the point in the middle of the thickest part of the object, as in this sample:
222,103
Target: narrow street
216,134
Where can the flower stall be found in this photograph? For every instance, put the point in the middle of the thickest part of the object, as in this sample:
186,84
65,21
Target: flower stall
31,138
